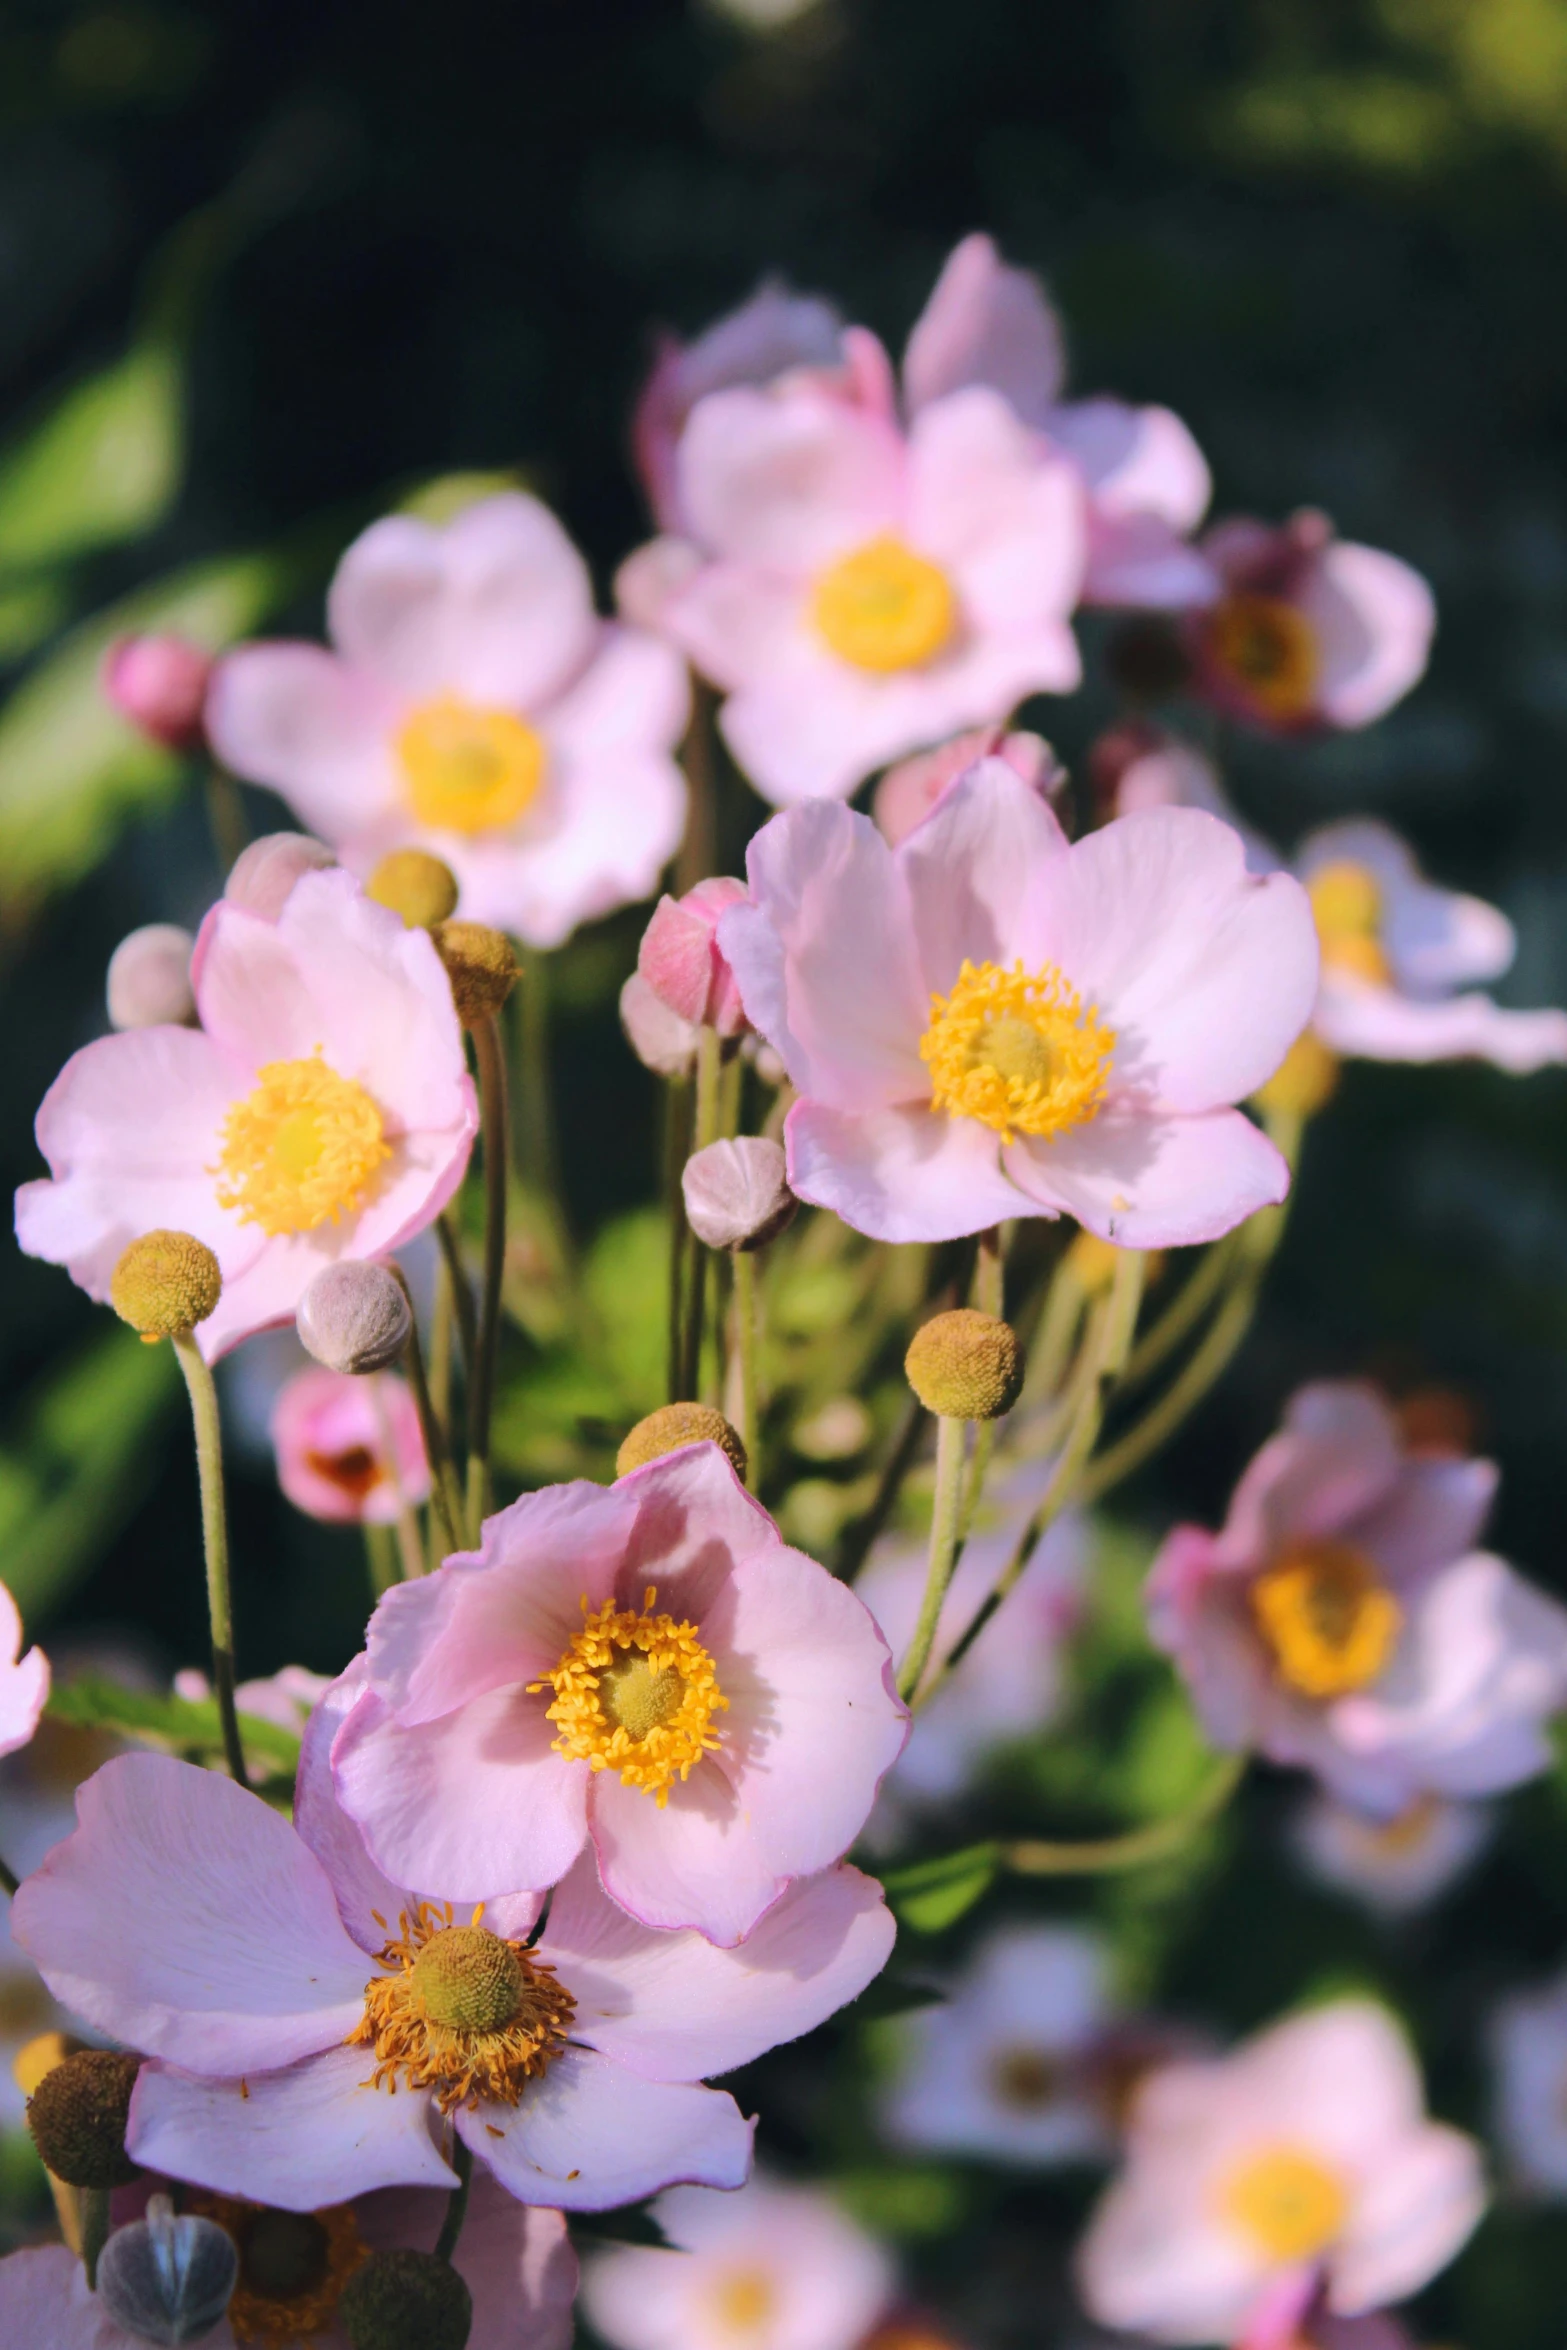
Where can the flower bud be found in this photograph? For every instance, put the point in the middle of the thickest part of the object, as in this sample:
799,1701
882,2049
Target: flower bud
159,683
965,1365
680,960
265,873
77,2115
661,1040
673,1425
354,1317
406,2300
149,978
165,1283
165,2279
737,1193
416,885
480,965
909,790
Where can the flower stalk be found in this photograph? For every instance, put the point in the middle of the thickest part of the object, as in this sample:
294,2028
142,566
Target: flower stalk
215,1542
945,1516
492,1110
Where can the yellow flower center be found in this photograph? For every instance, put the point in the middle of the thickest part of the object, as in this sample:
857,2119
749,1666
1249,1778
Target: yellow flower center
1017,1049
635,1693
744,2299
1331,1625
1271,647
299,1150
464,2014
1346,899
1289,2204
293,2266
469,769
1025,2078
884,608
355,1471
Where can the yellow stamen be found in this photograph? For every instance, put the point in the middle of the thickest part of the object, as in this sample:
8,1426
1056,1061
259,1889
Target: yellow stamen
467,768
1271,647
635,1693
303,1147
293,2266
884,608
463,2013
744,2299
1346,899
1288,2203
1330,1623
1016,1049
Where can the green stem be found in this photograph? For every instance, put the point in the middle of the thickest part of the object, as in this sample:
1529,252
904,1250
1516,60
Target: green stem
709,1072
677,1149
215,1542
1104,1855
944,1513
535,1124
92,2204
1195,1295
445,1498
462,1292
748,1343
443,1320
492,1112
380,1558
988,1292
456,2202
1051,1351
226,818
699,847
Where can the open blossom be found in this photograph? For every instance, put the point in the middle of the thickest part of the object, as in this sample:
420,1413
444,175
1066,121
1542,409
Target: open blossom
1529,2056
1393,1867
990,1022
349,1450
773,2267
317,2031
1303,2159
473,704
24,1680
1308,630
643,1667
1343,1618
322,1109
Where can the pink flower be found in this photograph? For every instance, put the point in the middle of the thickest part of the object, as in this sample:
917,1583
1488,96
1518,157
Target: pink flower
286,1698
680,961
474,705
322,1109
283,1989
773,2267
990,1022
1528,2038
24,1680
515,1715
1304,2158
1397,1866
1344,1620
1308,630
907,792
349,1450
159,683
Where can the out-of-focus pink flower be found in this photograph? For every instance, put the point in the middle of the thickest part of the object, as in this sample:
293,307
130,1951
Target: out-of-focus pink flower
646,1668
241,1970
349,1450
24,1680
159,683
908,791
1282,2324
1308,630
322,1109
1529,2055
661,1040
286,1698
773,2267
264,873
680,959
1143,767
1344,1620
989,1021
1303,2159
1397,1866
473,704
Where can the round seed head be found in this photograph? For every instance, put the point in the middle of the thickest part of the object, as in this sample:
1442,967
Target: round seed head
673,1425
165,1283
737,1193
406,2300
149,978
481,966
77,2115
265,873
354,1317
965,1365
165,2279
416,885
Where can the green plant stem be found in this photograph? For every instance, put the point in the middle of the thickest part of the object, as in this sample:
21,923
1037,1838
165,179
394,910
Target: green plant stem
945,1510
492,1111
1182,1315
1051,1352
699,847
215,1542
443,1322
462,1292
677,1149
709,1072
92,2204
748,1344
988,1292
445,1498
380,1558
456,2202
1102,1856
534,1130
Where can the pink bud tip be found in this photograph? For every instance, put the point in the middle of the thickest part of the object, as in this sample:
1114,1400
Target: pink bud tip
159,683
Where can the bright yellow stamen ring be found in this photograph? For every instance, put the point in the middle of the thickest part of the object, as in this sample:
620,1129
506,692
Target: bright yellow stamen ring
1346,899
1271,648
467,768
1330,1622
1288,2203
293,2266
884,608
301,1149
464,2014
636,1694
1017,1049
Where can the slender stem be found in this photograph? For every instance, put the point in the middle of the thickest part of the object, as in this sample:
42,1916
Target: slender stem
462,1292
1191,1301
709,1071
1051,1351
492,1111
699,848
380,1557
445,1496
983,1447
944,1513
226,818
748,1338
989,1288
93,2206
410,1544
443,1323
859,1537
1180,1399
534,1135
677,1148
215,1541
456,2202
1101,1856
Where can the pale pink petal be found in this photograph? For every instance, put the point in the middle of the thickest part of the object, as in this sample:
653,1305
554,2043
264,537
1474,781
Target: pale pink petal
694,1861
740,625
1136,462
324,1417
24,1680
1374,618
1378,1024
789,480
186,1919
652,576
368,1901
1433,938
903,1173
1137,562
1003,511
1149,1181
695,1523
969,867
1222,1664
1347,2078
1411,2217
1337,1458
614,821
590,2135
1431,1516
986,324
321,733
313,2134
1153,2263
632,697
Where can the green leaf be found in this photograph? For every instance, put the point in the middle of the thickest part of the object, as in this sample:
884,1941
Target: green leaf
931,1895
103,465
185,1725
907,2203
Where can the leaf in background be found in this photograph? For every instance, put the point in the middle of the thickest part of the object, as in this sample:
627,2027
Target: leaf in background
931,1895
184,1725
104,464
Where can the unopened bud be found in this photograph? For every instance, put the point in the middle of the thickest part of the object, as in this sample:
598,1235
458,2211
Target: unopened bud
159,683
680,959
661,1040
909,790
416,885
406,2300
165,1283
77,2115
674,1425
965,1365
737,1193
480,965
149,978
165,2279
354,1317
264,875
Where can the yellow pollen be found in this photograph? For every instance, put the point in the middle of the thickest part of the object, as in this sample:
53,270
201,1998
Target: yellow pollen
1016,1049
469,769
884,608
303,1147
1288,2203
1329,1622
1271,647
635,1693
744,2299
1346,899
463,2014
293,2266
